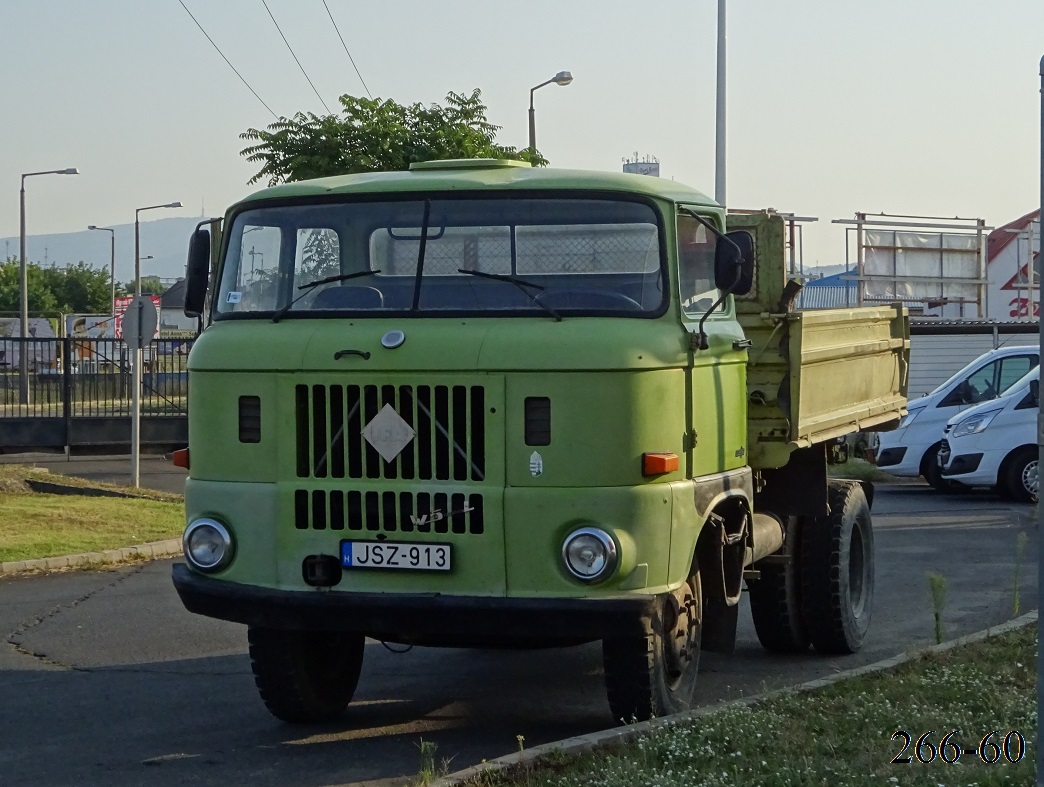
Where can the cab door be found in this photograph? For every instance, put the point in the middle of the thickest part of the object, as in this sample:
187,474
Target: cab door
717,384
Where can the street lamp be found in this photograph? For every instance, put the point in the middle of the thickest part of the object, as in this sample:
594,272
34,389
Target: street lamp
137,242
562,78
112,266
136,374
23,282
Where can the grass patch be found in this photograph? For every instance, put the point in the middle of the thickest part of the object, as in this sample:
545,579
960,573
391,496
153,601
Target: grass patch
859,470
840,735
38,525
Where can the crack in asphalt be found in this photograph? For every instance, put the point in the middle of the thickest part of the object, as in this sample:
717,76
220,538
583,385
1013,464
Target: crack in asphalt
16,638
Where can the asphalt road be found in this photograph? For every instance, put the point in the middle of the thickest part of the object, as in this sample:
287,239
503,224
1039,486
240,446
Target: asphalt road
106,679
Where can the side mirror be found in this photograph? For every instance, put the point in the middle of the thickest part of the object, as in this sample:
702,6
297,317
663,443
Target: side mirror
197,272
1035,391
734,262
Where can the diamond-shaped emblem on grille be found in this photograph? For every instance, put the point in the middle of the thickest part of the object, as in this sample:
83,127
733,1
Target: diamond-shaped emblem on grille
388,433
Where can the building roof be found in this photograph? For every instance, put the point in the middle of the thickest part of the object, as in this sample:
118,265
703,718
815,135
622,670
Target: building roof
999,239
174,296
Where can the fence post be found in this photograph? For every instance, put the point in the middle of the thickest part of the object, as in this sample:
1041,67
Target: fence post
67,392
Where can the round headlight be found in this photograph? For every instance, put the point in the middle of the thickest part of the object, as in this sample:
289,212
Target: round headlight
589,554
208,545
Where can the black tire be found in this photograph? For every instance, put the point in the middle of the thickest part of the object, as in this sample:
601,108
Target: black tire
1021,477
775,600
933,473
653,673
305,676
836,567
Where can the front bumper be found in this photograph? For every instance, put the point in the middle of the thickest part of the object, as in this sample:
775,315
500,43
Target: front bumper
971,468
416,618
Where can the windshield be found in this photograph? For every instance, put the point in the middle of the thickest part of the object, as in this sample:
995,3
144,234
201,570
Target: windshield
526,256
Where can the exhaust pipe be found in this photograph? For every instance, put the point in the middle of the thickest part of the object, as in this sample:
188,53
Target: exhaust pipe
767,536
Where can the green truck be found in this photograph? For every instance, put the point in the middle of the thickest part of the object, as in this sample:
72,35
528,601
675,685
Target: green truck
479,404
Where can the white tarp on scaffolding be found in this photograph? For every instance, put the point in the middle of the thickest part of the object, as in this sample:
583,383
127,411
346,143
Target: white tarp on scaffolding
936,261
41,353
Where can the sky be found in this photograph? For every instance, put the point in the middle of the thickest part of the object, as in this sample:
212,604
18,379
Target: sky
923,107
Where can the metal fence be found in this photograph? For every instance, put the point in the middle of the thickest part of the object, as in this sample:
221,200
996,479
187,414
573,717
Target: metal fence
91,377
78,392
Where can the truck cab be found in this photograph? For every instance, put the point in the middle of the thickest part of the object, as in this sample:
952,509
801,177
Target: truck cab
481,404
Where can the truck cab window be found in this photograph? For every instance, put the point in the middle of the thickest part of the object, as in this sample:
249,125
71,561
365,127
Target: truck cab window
696,245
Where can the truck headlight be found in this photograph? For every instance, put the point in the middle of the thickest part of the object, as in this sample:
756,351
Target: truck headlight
208,545
589,554
974,425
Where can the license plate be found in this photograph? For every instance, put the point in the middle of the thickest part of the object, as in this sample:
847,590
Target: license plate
389,554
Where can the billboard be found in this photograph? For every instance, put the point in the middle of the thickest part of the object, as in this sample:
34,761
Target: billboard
120,307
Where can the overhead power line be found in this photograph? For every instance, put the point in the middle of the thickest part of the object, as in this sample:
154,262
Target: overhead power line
347,52
274,22
211,40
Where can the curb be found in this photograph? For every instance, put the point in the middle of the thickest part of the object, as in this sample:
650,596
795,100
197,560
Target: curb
156,549
585,743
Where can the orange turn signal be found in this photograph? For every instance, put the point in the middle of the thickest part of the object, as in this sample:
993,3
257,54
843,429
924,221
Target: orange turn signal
181,458
657,463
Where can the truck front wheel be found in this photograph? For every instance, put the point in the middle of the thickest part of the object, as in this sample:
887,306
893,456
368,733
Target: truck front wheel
305,676
837,571
653,673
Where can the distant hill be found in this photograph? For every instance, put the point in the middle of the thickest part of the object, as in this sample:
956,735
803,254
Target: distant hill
165,239
823,270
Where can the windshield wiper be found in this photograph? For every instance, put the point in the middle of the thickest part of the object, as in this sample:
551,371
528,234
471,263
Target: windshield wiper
307,286
420,254
520,283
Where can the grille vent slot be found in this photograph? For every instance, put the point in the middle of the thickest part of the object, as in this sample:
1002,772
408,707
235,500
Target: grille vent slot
359,511
249,419
538,420
449,424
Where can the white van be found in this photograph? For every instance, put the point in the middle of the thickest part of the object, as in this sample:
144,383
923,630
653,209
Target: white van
910,450
995,443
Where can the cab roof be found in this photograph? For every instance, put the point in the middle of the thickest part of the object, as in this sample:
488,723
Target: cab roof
481,175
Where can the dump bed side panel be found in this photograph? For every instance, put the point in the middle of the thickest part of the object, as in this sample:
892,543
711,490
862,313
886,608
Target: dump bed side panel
819,374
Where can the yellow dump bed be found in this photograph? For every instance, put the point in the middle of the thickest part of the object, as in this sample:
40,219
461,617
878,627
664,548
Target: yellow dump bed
814,375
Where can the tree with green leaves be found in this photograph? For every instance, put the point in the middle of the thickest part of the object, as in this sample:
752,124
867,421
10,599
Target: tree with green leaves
376,135
150,285
79,288
41,299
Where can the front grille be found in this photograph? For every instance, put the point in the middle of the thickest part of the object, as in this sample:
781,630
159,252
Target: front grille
441,512
449,422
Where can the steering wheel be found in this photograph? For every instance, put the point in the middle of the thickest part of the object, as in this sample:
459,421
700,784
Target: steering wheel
607,296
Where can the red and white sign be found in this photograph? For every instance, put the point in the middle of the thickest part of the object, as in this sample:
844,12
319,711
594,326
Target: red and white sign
120,307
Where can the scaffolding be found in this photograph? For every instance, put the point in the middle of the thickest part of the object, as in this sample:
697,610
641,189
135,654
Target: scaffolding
933,262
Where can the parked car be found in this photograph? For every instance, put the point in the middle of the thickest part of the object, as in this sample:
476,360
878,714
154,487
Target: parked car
911,449
995,443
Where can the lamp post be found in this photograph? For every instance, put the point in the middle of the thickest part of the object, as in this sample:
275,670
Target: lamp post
719,114
136,371
112,267
562,78
23,283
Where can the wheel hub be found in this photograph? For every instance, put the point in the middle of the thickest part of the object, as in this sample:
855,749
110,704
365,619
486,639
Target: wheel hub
681,630
1030,478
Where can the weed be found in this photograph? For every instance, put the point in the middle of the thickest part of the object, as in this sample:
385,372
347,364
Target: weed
429,771
1020,549
937,583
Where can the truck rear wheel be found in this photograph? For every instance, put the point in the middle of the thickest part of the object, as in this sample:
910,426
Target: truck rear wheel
836,567
775,600
305,676
653,673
